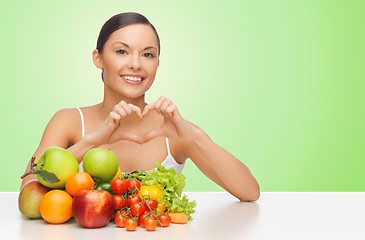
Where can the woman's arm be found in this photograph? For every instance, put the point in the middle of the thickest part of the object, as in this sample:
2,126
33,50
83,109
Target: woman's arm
215,162
222,167
59,132
109,131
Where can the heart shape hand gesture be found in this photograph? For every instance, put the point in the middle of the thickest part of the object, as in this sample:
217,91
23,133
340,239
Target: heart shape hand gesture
173,126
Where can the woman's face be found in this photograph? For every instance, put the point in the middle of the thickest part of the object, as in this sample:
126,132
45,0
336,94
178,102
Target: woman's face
129,60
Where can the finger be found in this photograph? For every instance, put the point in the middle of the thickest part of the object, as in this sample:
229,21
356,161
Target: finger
112,121
159,103
173,112
153,134
148,108
164,106
136,109
114,116
120,111
126,107
170,109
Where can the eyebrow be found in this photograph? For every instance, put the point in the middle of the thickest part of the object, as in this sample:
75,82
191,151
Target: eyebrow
128,46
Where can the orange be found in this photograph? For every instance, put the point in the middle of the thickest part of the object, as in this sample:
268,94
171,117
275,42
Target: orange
56,206
79,181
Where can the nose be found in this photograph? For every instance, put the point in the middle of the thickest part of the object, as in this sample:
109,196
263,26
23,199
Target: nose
134,62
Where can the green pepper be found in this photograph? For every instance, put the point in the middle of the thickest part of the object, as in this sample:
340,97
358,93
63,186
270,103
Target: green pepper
104,186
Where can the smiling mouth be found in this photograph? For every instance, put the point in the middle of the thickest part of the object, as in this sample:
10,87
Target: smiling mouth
132,79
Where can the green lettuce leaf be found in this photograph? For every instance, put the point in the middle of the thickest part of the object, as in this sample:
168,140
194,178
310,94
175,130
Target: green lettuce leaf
171,185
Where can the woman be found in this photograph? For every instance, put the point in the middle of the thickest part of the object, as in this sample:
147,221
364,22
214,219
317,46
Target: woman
140,134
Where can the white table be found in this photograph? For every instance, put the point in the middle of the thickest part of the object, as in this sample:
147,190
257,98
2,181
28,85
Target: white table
218,216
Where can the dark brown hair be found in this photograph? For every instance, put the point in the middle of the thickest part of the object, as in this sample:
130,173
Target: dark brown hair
121,20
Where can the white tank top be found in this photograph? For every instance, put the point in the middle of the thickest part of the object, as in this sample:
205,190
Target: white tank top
168,163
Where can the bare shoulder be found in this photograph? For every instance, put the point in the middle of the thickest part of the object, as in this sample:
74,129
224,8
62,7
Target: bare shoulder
66,116
66,113
67,120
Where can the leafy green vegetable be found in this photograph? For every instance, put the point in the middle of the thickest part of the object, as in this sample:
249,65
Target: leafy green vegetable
171,185
139,175
183,205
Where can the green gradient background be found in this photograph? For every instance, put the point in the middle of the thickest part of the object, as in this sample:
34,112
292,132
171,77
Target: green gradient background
279,84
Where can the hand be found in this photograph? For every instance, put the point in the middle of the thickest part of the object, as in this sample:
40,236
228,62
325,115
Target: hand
111,130
174,125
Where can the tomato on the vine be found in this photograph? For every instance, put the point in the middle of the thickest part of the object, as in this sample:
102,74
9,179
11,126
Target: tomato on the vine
133,199
152,203
119,219
137,209
164,219
119,186
130,224
150,224
119,202
132,184
143,217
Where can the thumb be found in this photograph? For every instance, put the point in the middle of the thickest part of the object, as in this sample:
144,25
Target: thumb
153,134
133,137
110,123
113,119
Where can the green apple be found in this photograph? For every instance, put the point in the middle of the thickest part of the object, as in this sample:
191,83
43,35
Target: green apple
58,161
102,164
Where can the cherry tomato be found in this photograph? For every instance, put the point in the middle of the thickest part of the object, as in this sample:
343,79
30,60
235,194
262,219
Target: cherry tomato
119,219
150,224
132,183
143,217
119,186
137,209
152,203
130,224
164,219
119,202
133,199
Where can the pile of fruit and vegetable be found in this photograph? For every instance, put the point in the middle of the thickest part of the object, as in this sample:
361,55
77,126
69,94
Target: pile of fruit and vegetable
102,193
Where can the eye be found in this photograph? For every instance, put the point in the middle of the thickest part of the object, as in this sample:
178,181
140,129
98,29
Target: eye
121,51
148,55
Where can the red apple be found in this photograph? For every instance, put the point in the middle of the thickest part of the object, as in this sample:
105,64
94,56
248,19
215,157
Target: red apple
93,208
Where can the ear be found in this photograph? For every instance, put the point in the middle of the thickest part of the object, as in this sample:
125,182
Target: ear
97,59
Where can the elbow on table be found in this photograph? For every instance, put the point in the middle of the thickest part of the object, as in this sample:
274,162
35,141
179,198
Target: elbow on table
250,198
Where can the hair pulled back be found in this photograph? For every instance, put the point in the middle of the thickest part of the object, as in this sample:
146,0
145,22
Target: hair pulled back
121,20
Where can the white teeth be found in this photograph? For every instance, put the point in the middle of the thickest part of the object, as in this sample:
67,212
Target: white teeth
135,79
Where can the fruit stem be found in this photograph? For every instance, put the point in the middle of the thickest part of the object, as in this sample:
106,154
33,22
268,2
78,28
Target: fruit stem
32,169
131,215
